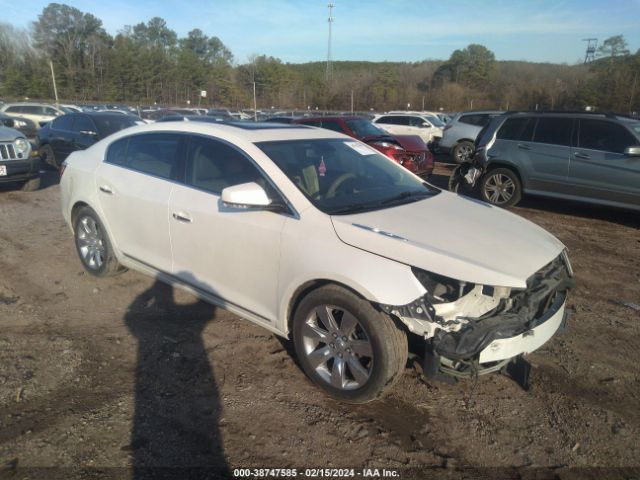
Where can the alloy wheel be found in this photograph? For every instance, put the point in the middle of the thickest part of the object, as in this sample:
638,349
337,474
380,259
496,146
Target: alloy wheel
337,347
499,188
90,243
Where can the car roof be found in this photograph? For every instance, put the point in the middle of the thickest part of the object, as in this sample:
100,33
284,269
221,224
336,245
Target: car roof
247,131
29,104
336,117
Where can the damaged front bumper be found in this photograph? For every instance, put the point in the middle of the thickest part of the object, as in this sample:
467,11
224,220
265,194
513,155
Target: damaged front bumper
475,329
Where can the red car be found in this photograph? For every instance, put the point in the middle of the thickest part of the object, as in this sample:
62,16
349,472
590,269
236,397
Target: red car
408,150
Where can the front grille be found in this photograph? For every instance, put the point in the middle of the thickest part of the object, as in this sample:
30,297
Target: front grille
7,151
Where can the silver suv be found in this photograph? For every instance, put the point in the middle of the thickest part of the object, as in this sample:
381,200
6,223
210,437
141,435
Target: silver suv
460,133
578,156
17,165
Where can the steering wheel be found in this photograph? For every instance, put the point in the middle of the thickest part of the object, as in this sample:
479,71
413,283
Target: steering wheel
338,182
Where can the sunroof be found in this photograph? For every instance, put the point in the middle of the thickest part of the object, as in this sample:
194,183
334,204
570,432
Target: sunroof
263,125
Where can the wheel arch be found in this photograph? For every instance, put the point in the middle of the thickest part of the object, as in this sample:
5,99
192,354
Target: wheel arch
74,211
305,289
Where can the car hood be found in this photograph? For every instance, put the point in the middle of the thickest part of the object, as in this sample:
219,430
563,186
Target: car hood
454,236
9,134
411,143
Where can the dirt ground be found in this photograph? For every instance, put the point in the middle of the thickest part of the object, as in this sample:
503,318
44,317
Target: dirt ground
109,378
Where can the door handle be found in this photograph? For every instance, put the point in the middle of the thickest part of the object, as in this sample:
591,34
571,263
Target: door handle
522,146
106,189
182,217
582,155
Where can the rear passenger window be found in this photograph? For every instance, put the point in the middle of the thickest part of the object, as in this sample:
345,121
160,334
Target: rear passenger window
213,166
152,153
477,119
520,129
117,152
65,122
605,136
155,154
555,131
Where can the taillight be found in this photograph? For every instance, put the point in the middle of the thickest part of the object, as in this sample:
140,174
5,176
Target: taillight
63,166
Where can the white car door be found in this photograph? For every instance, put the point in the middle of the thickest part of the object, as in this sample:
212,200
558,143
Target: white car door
134,185
405,125
231,253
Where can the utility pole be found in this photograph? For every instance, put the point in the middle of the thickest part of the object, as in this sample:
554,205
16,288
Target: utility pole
55,88
255,104
352,100
423,103
329,71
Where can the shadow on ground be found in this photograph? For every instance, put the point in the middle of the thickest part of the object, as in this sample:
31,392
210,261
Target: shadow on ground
177,406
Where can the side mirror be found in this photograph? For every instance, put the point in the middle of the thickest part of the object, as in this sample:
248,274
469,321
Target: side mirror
245,195
425,125
632,151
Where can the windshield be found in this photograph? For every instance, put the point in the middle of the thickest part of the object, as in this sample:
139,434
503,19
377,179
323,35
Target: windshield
109,124
435,120
364,128
344,176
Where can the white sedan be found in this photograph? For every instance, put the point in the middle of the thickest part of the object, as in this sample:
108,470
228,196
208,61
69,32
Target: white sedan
319,238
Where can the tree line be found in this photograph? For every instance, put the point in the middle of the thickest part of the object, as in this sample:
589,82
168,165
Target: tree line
148,63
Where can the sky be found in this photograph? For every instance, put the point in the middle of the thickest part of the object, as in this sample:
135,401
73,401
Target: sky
374,30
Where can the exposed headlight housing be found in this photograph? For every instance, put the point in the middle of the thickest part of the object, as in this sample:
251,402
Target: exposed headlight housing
441,289
22,147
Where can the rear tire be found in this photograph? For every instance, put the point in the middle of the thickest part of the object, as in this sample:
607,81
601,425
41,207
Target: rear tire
501,187
31,185
47,156
352,351
93,245
463,152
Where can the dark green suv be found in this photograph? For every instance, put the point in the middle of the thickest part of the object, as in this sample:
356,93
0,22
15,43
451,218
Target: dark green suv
579,156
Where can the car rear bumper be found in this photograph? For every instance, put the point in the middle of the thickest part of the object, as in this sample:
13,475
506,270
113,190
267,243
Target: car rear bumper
18,170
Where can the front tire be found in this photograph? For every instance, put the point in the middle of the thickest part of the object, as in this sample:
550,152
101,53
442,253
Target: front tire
93,245
31,185
501,187
352,351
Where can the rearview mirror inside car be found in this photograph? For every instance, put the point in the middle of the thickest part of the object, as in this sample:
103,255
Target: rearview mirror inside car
245,195
632,151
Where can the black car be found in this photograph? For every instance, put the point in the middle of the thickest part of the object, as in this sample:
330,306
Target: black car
77,131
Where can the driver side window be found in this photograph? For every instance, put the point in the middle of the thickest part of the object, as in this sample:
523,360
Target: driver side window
213,165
